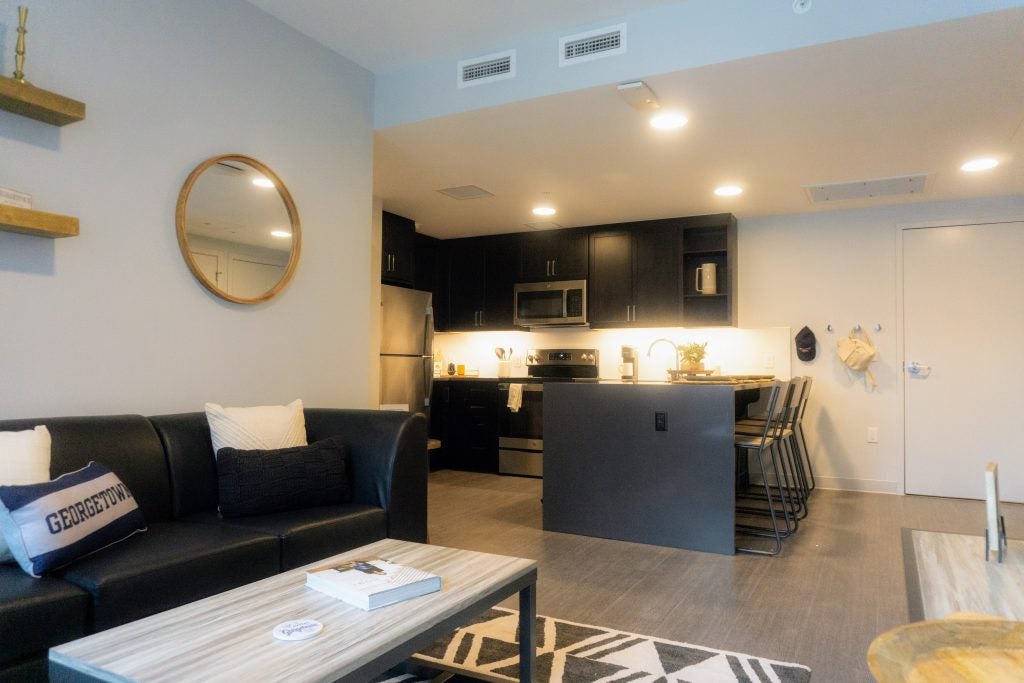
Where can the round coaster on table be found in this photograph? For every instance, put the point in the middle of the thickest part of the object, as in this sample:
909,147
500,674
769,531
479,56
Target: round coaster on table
299,629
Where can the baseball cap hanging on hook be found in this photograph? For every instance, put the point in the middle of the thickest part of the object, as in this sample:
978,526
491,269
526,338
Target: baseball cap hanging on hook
806,344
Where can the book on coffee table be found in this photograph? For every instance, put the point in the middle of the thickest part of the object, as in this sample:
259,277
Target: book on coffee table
370,582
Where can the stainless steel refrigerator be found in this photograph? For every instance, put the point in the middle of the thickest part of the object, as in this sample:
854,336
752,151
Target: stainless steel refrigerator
406,347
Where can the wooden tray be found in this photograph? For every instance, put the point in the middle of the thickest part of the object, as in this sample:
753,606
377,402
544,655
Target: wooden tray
950,650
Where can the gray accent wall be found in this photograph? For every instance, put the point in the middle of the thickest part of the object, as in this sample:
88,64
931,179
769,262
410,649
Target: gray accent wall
112,320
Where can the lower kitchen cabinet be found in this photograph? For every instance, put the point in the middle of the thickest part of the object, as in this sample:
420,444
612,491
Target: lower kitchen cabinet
465,418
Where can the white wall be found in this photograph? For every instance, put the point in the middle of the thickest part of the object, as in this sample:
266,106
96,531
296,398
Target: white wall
112,320
840,268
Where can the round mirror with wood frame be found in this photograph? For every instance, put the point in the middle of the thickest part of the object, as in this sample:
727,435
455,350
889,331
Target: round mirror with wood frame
240,238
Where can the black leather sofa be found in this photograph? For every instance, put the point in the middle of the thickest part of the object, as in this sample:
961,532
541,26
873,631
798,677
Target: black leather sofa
189,552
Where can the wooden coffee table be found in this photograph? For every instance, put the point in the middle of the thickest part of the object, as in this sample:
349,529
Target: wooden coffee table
228,637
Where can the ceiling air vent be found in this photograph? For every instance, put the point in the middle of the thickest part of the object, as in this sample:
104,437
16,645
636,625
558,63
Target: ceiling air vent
487,69
867,189
543,225
466,192
583,47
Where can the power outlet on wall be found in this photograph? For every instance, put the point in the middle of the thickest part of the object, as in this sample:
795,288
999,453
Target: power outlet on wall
872,434
769,361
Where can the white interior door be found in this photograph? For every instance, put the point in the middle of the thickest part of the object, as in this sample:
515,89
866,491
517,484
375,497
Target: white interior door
963,317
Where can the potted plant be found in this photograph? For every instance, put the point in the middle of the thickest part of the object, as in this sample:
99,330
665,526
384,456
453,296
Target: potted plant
692,357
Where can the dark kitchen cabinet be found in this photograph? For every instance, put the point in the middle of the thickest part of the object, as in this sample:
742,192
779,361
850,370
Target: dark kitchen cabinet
709,239
634,275
398,250
440,418
432,275
553,255
472,429
481,276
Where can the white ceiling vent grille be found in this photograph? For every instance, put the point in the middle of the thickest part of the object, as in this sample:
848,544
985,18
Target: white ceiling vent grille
543,225
868,189
487,69
584,47
466,192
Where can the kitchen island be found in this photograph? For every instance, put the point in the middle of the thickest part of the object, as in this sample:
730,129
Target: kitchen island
650,463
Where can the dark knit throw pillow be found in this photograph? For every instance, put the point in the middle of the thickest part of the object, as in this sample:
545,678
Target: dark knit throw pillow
259,482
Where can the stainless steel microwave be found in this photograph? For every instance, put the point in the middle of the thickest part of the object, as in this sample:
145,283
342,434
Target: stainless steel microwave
539,304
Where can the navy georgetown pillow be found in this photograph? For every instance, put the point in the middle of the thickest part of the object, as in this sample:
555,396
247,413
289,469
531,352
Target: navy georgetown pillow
51,524
260,482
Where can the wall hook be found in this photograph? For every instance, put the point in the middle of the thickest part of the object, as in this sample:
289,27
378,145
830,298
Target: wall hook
878,327
856,328
829,328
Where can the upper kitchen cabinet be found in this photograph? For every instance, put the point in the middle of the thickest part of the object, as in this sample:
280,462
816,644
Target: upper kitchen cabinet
634,275
481,276
709,270
432,275
553,255
398,250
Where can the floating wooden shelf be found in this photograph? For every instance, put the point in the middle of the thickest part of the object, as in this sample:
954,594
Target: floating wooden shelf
42,105
38,223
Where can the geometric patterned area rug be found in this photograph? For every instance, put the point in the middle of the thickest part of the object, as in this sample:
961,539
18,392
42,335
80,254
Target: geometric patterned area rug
568,652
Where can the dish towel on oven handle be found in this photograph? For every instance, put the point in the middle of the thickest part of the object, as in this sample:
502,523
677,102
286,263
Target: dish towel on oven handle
515,397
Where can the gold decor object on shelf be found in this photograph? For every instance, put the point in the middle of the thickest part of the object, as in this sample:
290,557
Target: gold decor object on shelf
38,223
21,97
19,50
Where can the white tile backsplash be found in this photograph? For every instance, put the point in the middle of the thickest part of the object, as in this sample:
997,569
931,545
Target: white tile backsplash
736,351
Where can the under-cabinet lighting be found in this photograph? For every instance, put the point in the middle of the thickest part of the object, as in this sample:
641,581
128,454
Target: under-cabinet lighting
263,182
280,233
544,211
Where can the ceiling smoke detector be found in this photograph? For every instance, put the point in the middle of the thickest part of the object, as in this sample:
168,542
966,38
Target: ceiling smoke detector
801,6
639,96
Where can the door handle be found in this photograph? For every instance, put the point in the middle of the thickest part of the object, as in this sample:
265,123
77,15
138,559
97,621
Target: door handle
918,370
547,267
554,262
481,318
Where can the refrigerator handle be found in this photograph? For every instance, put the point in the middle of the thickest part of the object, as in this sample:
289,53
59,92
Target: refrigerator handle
428,353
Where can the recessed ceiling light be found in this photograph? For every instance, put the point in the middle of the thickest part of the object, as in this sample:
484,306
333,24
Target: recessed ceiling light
975,165
668,120
280,233
543,211
262,182
728,190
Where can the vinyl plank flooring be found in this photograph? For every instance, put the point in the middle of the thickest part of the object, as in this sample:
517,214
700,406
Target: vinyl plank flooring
836,585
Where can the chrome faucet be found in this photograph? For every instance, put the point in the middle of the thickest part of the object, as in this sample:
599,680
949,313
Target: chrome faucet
675,349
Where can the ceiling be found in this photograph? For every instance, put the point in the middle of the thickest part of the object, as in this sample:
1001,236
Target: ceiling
385,35
918,100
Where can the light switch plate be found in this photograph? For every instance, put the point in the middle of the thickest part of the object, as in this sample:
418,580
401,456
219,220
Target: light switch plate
872,434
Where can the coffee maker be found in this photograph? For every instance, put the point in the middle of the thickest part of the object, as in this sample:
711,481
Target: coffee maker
629,370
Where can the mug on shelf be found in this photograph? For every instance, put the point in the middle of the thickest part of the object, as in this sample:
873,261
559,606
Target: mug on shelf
707,279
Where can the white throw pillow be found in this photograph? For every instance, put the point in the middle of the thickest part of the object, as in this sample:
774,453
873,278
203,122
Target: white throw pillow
24,459
258,427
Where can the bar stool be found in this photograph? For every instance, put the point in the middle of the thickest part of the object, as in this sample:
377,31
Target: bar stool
762,446
791,454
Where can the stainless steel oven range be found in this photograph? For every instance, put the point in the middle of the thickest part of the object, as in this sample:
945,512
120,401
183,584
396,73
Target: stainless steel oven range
521,432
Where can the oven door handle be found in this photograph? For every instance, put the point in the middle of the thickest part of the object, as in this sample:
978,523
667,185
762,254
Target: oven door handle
503,386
